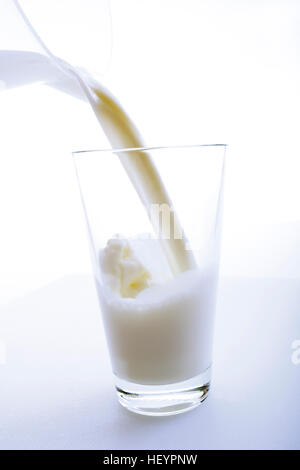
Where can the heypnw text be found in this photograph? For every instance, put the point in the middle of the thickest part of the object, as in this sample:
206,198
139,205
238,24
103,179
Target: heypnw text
151,459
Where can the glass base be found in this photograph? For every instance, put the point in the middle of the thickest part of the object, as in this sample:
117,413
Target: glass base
164,400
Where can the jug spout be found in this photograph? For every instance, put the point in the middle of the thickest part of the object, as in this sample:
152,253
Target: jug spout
26,59
23,58
19,68
24,68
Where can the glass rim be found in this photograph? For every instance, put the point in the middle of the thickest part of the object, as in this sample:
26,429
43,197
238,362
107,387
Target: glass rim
146,148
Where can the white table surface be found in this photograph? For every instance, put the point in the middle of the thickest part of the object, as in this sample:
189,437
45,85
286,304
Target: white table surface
56,389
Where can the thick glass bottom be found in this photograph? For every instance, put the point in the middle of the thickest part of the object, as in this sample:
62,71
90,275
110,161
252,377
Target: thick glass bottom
164,400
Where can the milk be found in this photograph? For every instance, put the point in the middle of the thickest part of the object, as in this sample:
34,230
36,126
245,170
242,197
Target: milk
122,133
27,67
164,335
162,331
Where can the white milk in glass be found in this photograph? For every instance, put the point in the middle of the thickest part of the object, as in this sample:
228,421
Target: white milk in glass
159,330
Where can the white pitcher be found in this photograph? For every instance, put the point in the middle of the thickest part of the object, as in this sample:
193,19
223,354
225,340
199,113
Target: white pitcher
30,46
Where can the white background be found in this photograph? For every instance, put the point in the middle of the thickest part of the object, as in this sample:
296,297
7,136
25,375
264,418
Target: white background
187,72
192,71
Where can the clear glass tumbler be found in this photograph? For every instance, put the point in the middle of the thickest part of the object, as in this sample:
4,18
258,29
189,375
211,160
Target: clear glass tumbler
158,321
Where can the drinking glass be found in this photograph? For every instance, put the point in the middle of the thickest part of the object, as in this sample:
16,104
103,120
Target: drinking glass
160,341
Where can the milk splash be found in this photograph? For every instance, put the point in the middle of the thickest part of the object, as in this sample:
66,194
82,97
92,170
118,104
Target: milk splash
26,67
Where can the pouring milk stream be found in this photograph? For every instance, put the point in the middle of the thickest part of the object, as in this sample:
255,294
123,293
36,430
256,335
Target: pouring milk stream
123,273
120,131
